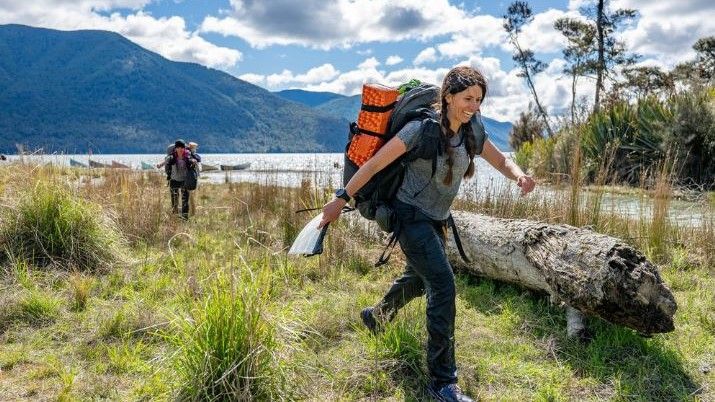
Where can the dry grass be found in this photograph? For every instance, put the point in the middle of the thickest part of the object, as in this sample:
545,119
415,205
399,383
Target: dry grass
120,335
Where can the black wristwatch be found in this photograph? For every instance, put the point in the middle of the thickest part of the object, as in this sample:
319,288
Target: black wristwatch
341,193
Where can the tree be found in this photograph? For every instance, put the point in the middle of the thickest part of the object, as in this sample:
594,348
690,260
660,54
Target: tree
526,129
644,81
579,52
611,53
518,14
705,60
701,71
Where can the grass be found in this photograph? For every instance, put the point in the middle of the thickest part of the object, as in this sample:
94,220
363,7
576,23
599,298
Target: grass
213,309
227,345
49,225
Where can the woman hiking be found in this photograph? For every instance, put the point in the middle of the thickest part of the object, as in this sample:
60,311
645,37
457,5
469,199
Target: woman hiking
422,206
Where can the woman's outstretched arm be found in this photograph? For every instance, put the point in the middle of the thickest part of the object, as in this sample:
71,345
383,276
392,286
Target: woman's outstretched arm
507,167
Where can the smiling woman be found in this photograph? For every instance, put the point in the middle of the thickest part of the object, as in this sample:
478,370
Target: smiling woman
421,211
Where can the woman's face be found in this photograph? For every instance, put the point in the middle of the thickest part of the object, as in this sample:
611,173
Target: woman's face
461,106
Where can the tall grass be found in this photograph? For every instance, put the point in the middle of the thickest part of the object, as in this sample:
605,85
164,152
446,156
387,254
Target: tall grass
80,287
658,233
140,202
227,345
48,224
652,231
576,183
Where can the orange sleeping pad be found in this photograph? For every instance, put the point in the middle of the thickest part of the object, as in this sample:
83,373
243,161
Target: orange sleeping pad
378,102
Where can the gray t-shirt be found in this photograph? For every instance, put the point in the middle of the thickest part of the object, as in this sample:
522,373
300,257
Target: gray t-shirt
179,169
431,195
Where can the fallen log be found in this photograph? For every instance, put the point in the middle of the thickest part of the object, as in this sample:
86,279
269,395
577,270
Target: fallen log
590,272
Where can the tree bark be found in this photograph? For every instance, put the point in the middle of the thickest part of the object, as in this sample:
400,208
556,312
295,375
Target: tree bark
601,63
596,274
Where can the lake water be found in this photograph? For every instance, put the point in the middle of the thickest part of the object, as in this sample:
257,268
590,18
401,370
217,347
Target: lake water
286,169
325,169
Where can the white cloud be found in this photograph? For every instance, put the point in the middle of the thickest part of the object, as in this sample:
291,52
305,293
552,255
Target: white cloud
166,36
428,55
473,35
284,77
369,64
667,31
313,76
507,94
341,23
392,60
256,79
540,35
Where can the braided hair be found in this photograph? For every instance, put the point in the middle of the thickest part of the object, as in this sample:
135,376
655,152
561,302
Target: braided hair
457,80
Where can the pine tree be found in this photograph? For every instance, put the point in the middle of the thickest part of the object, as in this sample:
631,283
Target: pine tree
518,14
580,52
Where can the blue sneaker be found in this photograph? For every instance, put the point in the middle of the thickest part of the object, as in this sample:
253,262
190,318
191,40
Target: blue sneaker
448,393
369,320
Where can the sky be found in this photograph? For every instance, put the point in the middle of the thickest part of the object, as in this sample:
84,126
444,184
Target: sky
336,46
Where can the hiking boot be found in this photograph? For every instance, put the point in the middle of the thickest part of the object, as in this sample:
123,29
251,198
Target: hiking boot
368,318
448,393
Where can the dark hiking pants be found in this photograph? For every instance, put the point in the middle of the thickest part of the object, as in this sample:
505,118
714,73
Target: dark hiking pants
427,272
176,187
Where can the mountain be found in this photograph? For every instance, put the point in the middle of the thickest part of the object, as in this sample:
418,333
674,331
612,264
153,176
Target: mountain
347,107
80,90
311,99
498,132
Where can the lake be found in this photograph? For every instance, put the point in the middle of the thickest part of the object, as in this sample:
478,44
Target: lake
325,169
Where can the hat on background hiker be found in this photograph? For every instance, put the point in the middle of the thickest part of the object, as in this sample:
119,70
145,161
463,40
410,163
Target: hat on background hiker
193,145
180,144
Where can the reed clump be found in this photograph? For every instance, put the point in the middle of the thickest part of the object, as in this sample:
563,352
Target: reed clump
227,345
49,225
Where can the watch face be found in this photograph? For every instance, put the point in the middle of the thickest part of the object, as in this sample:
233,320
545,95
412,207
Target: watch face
341,193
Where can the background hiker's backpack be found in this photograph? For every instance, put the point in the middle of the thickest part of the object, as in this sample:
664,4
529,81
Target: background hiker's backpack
192,178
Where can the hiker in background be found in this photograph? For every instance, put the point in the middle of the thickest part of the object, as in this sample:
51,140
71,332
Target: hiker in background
3,157
194,154
180,162
422,206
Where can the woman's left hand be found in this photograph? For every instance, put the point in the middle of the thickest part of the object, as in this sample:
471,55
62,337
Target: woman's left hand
526,183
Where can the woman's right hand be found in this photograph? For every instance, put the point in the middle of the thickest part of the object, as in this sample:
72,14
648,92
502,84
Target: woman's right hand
331,211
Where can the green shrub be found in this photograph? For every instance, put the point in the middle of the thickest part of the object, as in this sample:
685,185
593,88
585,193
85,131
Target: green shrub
537,156
565,142
523,155
632,135
691,137
49,225
227,345
543,157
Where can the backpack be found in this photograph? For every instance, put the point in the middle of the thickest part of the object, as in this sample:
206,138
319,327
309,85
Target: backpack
374,199
192,178
415,104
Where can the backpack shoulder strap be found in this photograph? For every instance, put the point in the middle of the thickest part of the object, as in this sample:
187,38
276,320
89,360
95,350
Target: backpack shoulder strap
479,132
